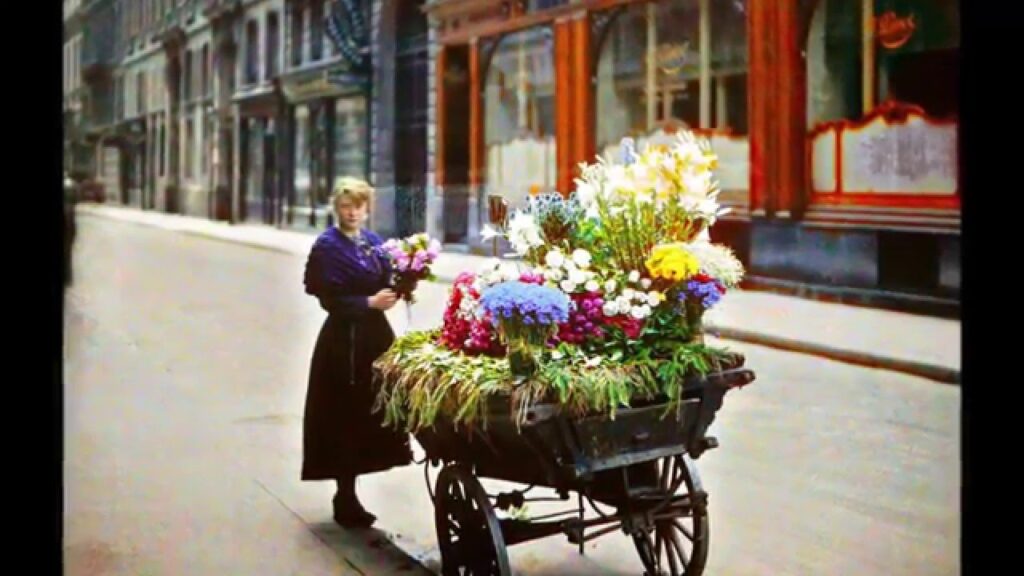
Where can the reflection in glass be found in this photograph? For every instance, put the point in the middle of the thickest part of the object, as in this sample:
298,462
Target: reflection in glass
519,116
672,65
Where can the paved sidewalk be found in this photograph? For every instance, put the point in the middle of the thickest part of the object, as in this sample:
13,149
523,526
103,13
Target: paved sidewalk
919,345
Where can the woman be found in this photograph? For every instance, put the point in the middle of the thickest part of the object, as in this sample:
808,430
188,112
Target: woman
349,275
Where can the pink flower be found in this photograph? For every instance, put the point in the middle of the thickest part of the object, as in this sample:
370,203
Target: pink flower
435,249
402,262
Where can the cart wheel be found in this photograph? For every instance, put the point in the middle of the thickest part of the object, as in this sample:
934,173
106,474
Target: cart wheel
678,545
468,532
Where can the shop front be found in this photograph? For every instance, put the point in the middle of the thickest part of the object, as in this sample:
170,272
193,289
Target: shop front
549,85
835,124
260,191
327,138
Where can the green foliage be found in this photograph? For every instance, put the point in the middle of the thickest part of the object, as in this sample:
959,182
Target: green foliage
421,381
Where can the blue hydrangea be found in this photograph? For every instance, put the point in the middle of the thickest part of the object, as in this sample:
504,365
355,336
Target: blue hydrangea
708,293
529,303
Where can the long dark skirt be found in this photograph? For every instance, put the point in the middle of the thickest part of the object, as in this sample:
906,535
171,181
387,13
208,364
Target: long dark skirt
341,434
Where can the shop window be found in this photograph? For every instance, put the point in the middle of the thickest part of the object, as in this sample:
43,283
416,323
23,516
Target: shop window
205,63
670,65
882,104
918,55
252,52
519,116
350,137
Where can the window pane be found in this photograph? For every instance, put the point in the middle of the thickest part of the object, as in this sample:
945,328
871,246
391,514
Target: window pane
914,60
316,27
649,82
919,53
834,56
302,176
296,19
350,137
272,42
519,116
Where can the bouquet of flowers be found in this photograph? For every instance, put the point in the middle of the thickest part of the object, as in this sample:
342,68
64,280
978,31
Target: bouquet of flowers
411,258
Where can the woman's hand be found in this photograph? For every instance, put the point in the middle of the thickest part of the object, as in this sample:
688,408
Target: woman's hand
383,300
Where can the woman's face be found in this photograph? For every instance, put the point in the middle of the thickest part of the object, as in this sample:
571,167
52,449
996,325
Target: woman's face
351,215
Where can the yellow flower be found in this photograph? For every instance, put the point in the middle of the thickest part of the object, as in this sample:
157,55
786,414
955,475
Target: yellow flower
671,262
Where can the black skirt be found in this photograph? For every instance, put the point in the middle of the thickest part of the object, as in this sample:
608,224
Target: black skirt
341,434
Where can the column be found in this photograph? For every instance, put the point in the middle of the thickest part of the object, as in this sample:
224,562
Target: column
564,117
436,122
476,143
582,100
868,55
651,90
705,63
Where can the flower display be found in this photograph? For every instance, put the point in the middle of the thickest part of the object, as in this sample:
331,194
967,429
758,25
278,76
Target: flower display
604,300
628,252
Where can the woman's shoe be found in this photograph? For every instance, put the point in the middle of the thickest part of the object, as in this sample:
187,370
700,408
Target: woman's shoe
351,514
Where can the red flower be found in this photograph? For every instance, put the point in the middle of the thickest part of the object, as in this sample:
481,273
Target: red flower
629,325
467,334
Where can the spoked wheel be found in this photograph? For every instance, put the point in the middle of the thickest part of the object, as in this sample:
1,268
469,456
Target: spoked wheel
468,532
678,543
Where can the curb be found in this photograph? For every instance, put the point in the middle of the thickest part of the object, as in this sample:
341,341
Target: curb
940,374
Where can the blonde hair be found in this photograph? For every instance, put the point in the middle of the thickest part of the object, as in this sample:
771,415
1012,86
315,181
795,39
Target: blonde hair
358,191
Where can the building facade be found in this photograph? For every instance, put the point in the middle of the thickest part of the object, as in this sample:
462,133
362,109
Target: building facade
75,156
249,110
835,121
